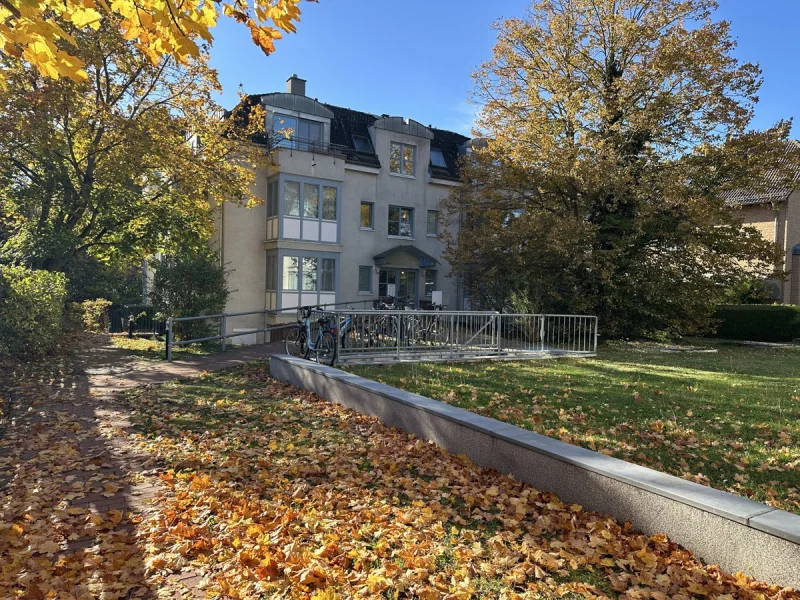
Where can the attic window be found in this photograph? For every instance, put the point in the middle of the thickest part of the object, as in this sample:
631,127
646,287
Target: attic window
362,143
437,158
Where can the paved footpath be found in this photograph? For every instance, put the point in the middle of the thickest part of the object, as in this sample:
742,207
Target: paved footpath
81,393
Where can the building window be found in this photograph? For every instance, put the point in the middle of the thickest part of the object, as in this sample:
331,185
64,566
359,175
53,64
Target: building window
311,204
362,144
402,158
430,282
366,215
327,275
290,272
291,199
433,222
309,274
272,262
329,203
365,279
272,199
401,221
297,133
437,158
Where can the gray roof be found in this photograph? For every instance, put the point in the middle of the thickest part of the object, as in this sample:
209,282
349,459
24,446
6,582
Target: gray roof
406,248
773,189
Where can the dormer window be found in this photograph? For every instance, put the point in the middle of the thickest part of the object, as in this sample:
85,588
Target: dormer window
362,144
437,158
300,134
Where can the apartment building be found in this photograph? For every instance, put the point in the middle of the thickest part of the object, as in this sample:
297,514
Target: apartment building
350,211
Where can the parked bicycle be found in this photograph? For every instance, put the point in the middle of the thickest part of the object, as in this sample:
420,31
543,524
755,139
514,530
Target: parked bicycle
318,344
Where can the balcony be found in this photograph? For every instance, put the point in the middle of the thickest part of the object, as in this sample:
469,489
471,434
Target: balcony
279,140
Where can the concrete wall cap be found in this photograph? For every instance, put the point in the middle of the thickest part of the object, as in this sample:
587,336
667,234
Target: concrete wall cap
736,508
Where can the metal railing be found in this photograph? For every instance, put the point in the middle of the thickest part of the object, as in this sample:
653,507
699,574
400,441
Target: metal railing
279,140
370,335
213,328
396,335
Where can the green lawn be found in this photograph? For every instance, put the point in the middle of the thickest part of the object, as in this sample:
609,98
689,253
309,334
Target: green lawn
730,420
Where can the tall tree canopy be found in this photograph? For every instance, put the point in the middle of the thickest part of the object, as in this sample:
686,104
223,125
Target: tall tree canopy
613,129
43,32
120,164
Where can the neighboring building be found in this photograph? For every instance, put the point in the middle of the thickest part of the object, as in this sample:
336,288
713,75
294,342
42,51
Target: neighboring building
350,209
775,212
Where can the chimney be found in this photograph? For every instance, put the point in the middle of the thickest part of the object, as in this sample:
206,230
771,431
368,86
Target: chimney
295,85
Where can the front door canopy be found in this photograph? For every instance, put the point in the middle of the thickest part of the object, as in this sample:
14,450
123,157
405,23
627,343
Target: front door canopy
425,259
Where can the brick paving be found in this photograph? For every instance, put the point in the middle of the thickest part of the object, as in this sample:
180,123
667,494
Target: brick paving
85,398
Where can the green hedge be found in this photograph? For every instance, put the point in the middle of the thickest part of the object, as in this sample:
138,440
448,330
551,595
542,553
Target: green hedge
759,322
31,310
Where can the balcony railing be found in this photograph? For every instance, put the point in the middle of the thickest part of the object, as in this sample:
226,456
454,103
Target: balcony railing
279,140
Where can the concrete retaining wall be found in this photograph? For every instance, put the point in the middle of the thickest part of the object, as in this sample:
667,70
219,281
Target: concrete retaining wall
734,532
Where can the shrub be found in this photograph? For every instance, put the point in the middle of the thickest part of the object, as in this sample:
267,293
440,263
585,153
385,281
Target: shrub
31,309
96,314
190,284
759,323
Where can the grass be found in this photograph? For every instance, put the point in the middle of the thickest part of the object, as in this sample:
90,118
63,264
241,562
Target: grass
151,348
272,492
729,419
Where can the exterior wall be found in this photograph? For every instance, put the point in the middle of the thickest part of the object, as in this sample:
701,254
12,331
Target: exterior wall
780,224
255,248
763,218
240,236
791,289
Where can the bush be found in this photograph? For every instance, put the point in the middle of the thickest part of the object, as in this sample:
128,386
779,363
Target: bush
96,315
190,284
759,323
31,310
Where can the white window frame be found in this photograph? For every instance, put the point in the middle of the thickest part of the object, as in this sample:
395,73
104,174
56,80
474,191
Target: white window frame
371,217
436,224
402,171
410,210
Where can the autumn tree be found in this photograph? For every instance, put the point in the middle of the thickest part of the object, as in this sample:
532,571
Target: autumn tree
120,164
43,33
613,129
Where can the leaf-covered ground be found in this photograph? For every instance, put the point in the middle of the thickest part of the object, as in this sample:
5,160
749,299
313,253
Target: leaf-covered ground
730,419
232,485
274,493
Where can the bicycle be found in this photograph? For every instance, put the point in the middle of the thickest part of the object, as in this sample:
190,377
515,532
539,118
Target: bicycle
303,343
432,329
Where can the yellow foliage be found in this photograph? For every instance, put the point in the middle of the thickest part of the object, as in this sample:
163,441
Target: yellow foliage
158,27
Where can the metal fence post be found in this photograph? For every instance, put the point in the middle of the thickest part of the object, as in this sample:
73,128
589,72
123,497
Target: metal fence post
223,332
169,339
596,333
541,329
266,334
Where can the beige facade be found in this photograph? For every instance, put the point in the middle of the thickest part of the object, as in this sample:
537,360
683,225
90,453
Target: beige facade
349,211
779,221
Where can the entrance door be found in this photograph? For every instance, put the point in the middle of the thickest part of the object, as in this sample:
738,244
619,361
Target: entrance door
399,283
407,287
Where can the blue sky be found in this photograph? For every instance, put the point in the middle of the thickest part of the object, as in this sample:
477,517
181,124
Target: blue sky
414,58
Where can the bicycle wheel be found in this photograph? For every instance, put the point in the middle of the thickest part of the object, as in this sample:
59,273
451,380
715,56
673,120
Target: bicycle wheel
325,349
295,343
